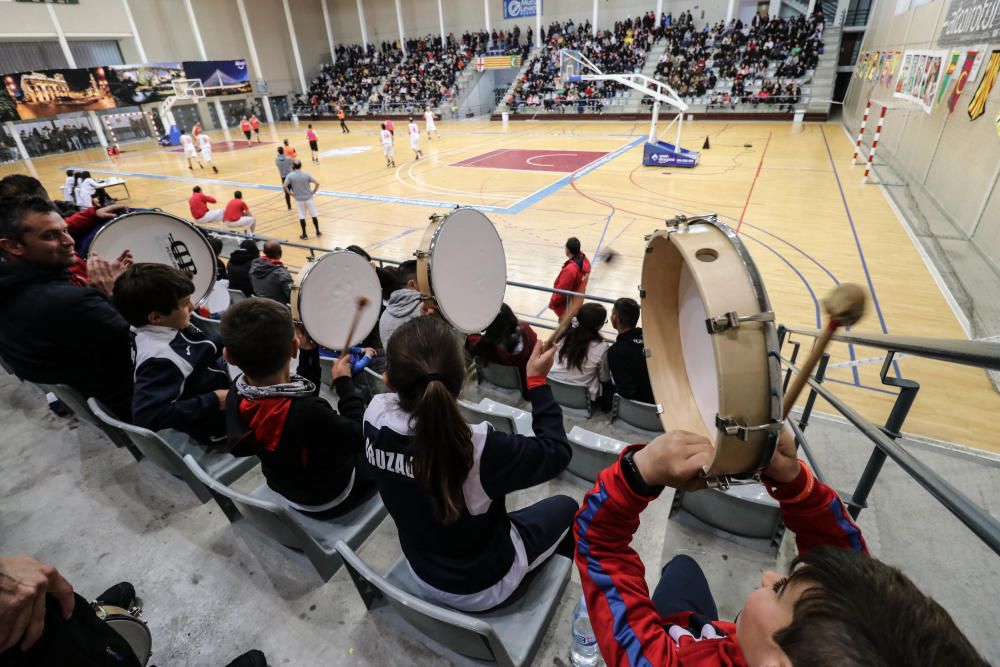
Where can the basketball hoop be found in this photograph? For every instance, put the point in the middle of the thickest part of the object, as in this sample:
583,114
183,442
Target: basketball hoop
188,89
570,65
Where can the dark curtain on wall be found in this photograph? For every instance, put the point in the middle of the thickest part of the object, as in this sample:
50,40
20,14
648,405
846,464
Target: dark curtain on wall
28,56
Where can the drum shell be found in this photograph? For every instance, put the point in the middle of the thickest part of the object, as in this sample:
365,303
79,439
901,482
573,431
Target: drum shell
745,357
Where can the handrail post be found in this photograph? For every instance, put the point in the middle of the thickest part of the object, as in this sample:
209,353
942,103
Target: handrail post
792,358
893,428
811,400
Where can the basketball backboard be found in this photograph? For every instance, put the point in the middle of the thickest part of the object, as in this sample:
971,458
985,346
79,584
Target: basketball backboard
188,89
570,65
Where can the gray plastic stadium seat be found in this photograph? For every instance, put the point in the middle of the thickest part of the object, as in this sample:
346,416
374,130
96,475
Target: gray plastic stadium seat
571,395
271,515
522,418
473,415
592,453
508,635
744,514
505,377
79,406
635,413
167,450
235,296
209,326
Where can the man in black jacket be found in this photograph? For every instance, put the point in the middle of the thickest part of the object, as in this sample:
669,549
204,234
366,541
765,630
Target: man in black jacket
239,266
269,277
52,331
626,359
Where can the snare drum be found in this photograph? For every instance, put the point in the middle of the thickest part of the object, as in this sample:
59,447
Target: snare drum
160,238
130,626
711,344
461,265
326,298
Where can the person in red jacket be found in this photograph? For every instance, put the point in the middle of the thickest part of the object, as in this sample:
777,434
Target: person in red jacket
198,203
573,276
834,591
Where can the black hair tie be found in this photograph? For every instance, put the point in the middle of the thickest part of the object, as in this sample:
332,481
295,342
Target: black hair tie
431,377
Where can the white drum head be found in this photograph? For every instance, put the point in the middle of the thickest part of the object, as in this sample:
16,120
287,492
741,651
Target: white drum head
135,633
699,355
468,270
160,238
328,293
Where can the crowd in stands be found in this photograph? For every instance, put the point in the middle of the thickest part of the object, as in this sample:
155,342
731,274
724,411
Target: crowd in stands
622,49
764,62
424,78
349,81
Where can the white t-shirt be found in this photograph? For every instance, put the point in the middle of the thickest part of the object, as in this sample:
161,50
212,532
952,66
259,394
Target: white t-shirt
414,136
85,193
414,130
68,188
386,138
188,143
429,117
205,143
594,371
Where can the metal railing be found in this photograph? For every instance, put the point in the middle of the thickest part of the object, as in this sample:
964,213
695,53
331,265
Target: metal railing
977,354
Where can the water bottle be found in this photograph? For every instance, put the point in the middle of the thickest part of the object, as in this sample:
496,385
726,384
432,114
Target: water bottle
583,651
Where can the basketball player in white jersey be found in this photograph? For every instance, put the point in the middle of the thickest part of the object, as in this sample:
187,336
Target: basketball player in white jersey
205,144
415,139
388,150
431,127
190,152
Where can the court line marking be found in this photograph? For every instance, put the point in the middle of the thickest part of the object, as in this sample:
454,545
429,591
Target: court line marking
857,243
949,297
753,184
513,209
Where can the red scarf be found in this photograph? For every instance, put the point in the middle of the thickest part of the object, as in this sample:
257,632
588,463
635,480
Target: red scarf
266,418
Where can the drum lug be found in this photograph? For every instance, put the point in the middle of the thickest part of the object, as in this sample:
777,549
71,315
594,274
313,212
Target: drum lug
742,432
647,352
732,320
420,254
642,293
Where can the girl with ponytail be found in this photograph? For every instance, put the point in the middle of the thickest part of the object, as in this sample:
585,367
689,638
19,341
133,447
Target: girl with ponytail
444,481
582,355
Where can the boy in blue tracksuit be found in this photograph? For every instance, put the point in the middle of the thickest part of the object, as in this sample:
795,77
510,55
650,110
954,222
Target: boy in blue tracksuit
181,380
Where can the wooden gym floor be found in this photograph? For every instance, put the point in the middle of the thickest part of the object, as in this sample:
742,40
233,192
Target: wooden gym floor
791,192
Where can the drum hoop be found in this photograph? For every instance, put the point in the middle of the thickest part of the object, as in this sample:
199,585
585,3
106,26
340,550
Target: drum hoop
770,331
429,252
164,214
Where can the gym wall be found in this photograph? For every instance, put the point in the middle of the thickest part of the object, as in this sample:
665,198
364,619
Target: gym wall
946,157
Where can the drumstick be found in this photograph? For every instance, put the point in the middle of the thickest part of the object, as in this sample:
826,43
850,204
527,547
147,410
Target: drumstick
844,306
362,302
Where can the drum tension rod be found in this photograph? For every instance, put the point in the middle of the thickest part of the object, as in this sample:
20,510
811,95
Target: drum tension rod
732,320
731,427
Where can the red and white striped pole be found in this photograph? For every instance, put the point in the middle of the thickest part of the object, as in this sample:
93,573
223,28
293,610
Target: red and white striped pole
861,134
871,153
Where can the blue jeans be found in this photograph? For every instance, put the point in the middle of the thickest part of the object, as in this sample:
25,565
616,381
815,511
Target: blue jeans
683,587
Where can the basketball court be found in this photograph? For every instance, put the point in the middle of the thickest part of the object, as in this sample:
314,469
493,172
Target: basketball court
789,190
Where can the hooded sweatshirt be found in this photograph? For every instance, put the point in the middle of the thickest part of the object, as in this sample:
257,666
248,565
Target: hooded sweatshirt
309,453
270,279
239,266
404,305
55,332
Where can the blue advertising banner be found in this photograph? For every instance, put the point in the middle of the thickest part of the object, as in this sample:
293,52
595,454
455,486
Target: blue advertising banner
220,77
516,9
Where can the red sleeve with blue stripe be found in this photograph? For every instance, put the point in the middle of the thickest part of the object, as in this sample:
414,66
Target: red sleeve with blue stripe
627,625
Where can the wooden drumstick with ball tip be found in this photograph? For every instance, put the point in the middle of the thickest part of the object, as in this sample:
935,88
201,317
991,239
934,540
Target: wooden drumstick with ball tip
361,303
844,307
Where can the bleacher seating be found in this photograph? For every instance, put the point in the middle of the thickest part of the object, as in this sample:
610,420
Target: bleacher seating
270,514
508,635
505,377
592,453
644,416
207,324
765,63
351,80
572,396
168,448
77,404
622,49
424,78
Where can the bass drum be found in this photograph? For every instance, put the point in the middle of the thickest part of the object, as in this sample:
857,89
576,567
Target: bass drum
461,265
326,298
131,627
160,238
